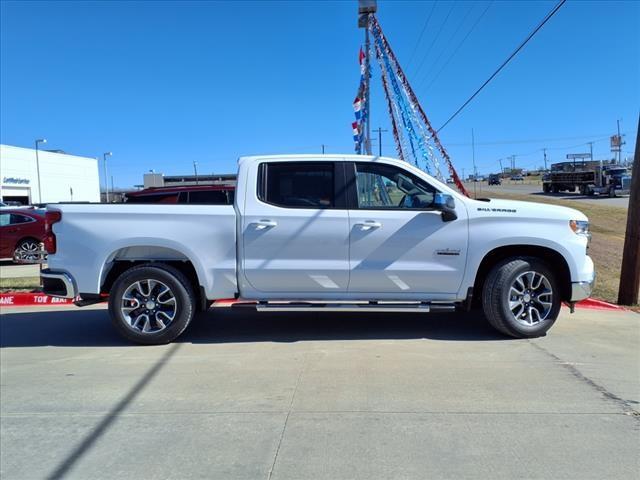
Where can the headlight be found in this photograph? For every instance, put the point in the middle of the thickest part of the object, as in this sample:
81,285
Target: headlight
579,227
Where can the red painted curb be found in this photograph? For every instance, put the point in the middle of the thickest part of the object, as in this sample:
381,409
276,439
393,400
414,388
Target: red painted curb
30,299
595,304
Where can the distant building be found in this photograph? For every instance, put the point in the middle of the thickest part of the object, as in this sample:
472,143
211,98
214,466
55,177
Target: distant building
153,179
63,177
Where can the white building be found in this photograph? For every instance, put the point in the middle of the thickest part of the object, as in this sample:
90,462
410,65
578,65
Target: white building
63,177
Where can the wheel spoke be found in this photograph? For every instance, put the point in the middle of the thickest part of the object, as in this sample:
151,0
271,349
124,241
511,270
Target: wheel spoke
530,298
148,306
519,312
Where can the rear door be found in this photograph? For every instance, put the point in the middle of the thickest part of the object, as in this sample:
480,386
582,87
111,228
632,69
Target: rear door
295,230
399,245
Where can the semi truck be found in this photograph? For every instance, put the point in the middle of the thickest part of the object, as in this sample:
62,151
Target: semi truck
588,178
321,233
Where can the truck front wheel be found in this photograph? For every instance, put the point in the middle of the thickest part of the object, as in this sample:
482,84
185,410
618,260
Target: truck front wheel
520,298
151,305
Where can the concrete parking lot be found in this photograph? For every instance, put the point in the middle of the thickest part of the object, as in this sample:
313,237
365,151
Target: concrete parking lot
319,396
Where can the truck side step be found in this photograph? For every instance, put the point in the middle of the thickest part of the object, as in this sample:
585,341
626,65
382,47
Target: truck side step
390,307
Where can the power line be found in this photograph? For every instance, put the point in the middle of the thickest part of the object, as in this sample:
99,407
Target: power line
459,46
596,137
448,42
424,27
453,4
504,64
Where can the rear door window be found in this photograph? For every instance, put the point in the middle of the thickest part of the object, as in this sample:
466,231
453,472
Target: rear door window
17,219
297,185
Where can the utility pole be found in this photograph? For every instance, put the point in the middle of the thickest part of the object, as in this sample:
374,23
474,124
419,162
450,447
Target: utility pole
590,150
473,159
106,178
621,144
630,274
323,148
380,131
195,170
501,169
365,8
545,158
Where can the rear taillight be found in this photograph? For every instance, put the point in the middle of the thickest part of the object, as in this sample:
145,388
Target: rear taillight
50,217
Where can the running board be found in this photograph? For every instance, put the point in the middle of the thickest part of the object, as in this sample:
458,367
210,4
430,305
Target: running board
389,307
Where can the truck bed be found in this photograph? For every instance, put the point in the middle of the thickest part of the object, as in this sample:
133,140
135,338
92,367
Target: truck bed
92,235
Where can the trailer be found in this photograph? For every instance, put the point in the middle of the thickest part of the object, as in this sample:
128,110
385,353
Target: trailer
588,178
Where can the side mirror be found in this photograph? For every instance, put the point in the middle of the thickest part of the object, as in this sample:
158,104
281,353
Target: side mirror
447,205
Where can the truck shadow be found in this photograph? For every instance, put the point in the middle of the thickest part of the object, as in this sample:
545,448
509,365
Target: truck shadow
92,328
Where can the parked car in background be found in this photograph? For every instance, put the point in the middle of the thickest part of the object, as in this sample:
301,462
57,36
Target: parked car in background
517,178
194,194
22,234
494,179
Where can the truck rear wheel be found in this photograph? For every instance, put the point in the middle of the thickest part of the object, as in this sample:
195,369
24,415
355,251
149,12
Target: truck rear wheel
151,305
520,298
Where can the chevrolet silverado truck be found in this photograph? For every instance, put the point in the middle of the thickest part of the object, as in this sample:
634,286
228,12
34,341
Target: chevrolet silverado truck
329,233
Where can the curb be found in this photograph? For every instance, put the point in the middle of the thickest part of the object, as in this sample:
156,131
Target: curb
595,304
31,299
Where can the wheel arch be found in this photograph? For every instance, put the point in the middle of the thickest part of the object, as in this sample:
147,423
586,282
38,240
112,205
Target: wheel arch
128,257
27,237
552,258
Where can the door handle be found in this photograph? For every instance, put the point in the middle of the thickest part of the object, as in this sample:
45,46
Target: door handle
264,224
369,225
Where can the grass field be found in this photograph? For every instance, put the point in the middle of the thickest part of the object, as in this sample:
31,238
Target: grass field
608,226
19,284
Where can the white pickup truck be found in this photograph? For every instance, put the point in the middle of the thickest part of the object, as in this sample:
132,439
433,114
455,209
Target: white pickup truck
321,232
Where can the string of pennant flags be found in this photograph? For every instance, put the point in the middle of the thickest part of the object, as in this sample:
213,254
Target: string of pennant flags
359,103
415,139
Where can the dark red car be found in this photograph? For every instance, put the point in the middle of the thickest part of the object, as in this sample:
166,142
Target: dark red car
194,194
21,234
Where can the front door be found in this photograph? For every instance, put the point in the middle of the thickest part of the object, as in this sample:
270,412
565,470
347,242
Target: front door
295,231
399,245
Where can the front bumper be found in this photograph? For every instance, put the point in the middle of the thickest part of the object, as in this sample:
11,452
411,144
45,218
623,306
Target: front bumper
57,283
582,290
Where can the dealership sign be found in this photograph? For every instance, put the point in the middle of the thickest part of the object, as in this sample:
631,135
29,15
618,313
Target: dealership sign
16,180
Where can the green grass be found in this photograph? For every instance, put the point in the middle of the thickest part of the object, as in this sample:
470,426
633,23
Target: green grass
20,283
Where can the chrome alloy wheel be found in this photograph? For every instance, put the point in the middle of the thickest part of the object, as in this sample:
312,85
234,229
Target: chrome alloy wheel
530,298
148,306
28,251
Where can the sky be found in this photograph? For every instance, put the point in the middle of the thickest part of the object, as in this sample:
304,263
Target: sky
164,84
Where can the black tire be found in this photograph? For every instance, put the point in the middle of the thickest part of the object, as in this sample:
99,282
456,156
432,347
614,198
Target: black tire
496,291
181,289
612,192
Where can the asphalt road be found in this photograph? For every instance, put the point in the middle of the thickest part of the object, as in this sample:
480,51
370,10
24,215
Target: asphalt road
320,396
535,191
